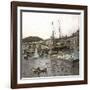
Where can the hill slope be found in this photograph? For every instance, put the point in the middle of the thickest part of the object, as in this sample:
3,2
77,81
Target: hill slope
32,39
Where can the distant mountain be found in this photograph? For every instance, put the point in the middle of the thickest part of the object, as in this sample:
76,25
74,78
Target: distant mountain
32,39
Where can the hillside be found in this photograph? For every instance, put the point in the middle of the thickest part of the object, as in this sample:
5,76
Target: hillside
32,39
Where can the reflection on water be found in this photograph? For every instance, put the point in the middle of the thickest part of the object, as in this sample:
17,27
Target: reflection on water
48,66
36,55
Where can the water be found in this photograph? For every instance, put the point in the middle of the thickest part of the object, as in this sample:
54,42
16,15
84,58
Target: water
28,66
58,66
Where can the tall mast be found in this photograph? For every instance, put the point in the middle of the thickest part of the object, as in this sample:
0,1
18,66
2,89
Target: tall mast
53,33
59,29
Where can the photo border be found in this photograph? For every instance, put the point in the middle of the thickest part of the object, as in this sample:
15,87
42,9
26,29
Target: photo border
14,5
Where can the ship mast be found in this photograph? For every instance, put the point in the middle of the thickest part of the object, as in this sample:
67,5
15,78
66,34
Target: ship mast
59,30
53,33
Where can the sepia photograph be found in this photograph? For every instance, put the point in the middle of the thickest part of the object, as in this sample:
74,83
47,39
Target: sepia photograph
50,44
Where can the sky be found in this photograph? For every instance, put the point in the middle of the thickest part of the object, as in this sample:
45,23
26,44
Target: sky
40,24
